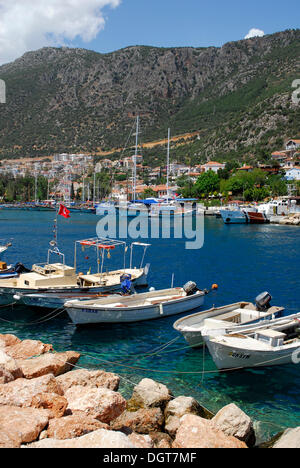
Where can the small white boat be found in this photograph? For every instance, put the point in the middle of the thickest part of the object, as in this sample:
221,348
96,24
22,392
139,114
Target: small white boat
265,347
136,308
217,319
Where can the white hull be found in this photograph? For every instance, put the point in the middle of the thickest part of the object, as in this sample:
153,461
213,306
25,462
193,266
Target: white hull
93,313
233,217
231,357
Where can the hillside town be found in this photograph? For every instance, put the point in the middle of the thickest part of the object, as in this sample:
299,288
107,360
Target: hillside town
71,176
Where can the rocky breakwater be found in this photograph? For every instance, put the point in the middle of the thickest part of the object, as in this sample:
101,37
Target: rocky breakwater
48,401
291,220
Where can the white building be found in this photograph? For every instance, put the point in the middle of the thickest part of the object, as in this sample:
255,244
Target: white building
293,173
212,166
292,145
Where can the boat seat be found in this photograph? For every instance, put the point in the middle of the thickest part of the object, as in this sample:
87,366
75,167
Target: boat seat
166,299
232,316
92,279
250,307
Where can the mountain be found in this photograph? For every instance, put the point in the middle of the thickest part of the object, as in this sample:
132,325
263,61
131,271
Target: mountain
238,97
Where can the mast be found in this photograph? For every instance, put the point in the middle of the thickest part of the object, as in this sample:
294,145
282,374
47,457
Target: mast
35,187
134,158
168,164
94,189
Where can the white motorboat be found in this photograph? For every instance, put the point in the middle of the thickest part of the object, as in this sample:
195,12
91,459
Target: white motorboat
233,315
265,347
136,308
60,278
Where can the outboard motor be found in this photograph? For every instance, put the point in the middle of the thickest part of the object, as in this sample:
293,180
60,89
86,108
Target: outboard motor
262,301
190,288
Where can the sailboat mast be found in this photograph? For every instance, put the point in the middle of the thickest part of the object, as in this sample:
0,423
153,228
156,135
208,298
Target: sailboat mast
134,158
168,163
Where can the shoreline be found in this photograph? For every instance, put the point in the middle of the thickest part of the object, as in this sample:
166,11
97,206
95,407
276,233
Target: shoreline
47,400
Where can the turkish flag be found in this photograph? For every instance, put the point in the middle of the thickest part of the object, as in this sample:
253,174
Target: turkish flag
63,211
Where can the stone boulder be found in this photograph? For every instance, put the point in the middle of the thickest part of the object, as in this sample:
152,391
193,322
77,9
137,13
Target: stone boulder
8,340
149,394
20,425
20,392
177,408
196,432
141,441
73,426
97,439
49,363
289,439
9,368
101,403
161,440
27,348
142,421
55,405
86,378
234,422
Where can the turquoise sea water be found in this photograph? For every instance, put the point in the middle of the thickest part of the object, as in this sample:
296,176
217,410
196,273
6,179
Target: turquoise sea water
243,260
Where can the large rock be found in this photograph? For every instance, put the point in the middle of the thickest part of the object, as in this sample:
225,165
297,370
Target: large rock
8,340
234,422
20,392
141,441
86,378
196,432
289,439
9,368
27,348
54,404
48,363
142,421
97,439
161,440
177,408
20,425
73,426
149,394
101,403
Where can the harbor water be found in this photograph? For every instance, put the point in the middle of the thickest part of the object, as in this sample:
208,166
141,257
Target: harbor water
244,260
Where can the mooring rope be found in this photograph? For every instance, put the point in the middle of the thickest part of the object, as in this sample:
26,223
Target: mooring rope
46,318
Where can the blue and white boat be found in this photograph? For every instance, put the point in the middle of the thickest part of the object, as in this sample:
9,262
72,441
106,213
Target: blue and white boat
233,216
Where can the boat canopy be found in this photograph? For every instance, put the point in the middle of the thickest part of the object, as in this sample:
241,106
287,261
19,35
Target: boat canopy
105,244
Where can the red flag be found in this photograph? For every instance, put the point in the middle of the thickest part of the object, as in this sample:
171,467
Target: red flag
63,211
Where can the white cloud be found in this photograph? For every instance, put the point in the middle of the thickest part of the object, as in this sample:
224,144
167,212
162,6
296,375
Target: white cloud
255,33
30,24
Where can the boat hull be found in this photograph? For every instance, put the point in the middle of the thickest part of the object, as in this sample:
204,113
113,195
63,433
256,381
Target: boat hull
93,315
233,217
228,357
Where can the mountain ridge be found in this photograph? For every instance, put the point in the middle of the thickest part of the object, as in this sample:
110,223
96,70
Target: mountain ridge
64,99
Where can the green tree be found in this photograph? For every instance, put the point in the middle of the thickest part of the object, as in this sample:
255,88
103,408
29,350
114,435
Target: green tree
207,183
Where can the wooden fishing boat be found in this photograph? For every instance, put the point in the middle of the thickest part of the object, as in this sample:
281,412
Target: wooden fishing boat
59,277
136,308
220,318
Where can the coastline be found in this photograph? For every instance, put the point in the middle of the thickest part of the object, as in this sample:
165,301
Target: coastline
47,400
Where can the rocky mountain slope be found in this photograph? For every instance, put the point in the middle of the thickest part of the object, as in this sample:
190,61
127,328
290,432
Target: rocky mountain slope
238,97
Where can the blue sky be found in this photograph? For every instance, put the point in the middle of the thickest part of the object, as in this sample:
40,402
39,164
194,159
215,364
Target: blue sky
109,25
197,23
